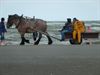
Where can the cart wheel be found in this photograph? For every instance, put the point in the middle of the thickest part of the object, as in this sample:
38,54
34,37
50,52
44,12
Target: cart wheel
71,41
75,42
79,42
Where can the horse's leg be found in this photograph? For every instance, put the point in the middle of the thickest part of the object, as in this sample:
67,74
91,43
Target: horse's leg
35,35
49,39
22,40
27,41
37,42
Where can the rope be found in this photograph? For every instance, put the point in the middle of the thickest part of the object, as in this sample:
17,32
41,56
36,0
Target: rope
48,35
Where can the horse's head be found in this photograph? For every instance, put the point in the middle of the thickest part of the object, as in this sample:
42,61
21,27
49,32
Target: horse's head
12,19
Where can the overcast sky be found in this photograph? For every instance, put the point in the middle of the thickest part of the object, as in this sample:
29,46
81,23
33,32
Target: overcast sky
52,9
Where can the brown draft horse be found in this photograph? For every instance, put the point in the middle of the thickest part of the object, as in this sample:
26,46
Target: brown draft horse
24,25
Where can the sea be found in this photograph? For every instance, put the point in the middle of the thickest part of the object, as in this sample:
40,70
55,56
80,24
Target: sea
12,37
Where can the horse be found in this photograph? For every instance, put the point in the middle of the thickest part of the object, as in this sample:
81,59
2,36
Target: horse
24,25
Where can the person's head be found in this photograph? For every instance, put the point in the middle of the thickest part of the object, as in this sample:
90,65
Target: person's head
75,19
69,20
2,19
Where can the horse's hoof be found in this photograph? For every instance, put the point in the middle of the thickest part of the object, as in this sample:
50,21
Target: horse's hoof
50,43
27,41
36,43
34,39
22,43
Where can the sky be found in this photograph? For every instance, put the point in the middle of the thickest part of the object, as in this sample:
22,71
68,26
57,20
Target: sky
52,10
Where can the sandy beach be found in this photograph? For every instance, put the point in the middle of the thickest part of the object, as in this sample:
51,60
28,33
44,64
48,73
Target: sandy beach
51,18
50,60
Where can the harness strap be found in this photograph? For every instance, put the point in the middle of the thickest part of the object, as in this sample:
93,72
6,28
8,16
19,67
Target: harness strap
18,22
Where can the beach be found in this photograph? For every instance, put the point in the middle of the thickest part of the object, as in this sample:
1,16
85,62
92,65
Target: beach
60,58
12,36
50,60
23,52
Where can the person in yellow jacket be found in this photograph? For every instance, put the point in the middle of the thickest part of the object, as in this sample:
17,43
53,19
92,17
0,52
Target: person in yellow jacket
78,28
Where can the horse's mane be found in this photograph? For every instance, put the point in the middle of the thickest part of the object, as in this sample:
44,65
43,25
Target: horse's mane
14,16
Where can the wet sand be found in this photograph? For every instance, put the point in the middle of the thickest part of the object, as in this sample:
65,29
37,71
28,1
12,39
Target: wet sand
50,60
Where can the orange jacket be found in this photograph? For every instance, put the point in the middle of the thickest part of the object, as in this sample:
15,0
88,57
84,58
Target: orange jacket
79,26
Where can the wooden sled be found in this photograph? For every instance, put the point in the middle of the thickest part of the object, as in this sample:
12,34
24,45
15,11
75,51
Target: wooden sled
85,35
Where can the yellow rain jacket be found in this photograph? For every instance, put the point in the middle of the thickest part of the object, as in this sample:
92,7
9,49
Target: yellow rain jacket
78,28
